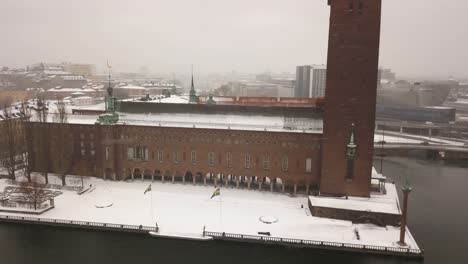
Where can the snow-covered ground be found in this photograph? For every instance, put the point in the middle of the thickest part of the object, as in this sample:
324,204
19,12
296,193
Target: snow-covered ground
186,209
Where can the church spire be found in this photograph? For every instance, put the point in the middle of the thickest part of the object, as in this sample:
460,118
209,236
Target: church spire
193,94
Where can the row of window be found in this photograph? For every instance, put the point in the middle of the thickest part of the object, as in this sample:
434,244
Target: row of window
83,148
141,153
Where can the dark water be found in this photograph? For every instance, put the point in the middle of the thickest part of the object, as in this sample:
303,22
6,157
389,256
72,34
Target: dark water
438,219
438,206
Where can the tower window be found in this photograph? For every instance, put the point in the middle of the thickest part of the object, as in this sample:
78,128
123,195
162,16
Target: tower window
360,7
351,7
308,165
107,153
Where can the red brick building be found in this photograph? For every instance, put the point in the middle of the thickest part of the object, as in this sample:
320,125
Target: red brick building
353,54
239,144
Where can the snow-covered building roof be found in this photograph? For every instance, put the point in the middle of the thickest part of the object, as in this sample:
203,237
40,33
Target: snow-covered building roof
73,78
71,90
377,203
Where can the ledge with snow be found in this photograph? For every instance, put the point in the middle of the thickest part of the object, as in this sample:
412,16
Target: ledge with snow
187,211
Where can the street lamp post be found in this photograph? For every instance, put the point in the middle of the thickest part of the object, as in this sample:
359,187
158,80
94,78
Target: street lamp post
406,190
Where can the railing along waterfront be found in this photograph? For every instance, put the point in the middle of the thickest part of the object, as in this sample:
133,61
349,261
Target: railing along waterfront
78,224
409,252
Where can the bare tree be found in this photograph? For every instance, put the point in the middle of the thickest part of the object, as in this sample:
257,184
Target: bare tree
61,115
64,142
42,139
34,193
8,142
25,142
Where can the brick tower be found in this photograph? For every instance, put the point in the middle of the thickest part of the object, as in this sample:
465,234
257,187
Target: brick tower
349,115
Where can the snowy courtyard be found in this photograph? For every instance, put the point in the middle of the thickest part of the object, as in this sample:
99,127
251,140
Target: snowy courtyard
186,209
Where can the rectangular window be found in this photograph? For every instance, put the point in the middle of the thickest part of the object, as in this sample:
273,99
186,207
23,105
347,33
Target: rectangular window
129,153
160,156
137,153
193,156
229,159
266,162
107,153
284,163
175,157
93,152
82,152
211,158
350,170
247,160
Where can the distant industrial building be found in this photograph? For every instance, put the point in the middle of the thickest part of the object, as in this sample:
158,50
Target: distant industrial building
310,81
274,87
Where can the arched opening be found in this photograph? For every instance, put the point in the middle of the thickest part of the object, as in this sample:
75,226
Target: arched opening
178,176
157,175
288,186
267,184
302,187
136,173
189,176
147,175
167,175
242,181
231,180
277,185
255,181
127,174
198,177
209,178
108,175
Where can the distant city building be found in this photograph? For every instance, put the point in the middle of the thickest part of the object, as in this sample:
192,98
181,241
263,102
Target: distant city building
86,70
386,76
310,81
69,81
85,100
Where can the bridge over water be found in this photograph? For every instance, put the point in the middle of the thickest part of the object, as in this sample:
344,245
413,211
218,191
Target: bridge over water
399,144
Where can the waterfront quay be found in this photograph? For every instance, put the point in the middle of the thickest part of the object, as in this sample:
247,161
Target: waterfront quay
186,211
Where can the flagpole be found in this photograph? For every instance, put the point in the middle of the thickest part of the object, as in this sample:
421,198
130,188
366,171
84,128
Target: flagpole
221,210
152,216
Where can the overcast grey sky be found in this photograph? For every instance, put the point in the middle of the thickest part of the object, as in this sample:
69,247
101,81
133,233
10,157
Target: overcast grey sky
419,37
